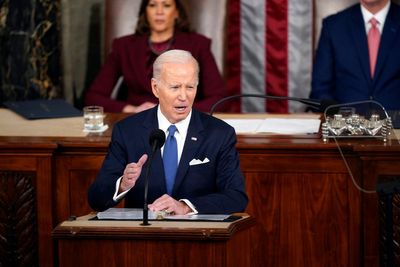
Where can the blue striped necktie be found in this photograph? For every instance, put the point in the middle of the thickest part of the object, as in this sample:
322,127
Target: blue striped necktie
170,158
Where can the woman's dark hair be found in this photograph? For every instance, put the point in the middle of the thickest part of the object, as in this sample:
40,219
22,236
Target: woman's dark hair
181,24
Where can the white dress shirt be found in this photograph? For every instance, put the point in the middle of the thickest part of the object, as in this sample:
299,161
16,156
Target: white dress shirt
180,136
380,16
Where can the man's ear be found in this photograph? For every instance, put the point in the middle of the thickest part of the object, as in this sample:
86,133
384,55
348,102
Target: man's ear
154,87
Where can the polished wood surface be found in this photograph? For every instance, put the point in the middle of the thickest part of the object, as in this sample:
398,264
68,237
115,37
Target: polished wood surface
88,226
308,210
163,243
62,168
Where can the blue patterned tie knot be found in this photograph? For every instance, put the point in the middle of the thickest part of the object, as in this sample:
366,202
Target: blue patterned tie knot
170,158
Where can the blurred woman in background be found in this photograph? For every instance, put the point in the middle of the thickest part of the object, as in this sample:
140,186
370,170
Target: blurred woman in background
162,25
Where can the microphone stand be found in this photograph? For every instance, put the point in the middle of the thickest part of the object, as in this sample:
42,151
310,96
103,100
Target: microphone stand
146,186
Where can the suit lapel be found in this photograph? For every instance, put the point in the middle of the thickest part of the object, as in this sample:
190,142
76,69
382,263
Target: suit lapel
388,37
194,139
150,124
360,40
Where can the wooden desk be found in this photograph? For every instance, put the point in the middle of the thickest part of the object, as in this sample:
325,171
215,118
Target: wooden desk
308,211
163,243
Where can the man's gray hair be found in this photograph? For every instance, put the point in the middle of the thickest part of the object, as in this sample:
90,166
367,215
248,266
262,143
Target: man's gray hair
173,56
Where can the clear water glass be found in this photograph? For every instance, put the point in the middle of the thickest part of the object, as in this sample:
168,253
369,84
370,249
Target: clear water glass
93,117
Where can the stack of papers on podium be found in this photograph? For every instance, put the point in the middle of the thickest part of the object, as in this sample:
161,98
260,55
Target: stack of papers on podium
275,125
124,214
137,214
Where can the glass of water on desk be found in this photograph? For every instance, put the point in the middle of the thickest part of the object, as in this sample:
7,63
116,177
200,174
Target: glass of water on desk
93,117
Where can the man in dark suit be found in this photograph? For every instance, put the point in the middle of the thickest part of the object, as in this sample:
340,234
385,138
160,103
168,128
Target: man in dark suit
346,68
208,177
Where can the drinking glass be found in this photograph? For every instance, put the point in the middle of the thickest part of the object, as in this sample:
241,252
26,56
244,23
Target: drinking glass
93,118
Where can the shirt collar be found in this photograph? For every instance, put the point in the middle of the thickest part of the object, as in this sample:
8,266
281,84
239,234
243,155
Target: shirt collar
380,16
182,126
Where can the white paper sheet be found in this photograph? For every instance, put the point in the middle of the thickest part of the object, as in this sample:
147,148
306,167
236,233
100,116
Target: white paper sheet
275,125
245,125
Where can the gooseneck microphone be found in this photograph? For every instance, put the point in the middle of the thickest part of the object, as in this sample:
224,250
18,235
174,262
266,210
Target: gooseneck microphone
156,140
319,105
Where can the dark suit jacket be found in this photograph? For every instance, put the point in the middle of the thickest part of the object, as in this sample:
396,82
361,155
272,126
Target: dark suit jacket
132,58
213,187
341,70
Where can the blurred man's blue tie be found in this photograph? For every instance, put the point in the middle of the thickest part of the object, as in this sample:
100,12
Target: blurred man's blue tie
170,158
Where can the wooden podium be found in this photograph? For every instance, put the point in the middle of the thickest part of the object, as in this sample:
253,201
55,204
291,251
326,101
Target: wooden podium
85,242
309,213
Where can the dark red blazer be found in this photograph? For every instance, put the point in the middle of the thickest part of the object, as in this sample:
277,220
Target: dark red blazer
132,58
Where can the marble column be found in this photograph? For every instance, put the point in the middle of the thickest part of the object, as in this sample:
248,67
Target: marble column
29,50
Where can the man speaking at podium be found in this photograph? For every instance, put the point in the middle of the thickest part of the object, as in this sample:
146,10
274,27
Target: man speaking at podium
196,171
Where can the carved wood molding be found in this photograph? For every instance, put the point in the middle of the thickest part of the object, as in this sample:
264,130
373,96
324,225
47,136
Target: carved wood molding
18,224
389,220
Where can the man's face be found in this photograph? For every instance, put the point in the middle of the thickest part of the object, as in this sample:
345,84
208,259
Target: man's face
374,5
373,1
176,90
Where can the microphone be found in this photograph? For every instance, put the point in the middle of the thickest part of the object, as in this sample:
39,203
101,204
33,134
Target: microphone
156,140
316,104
